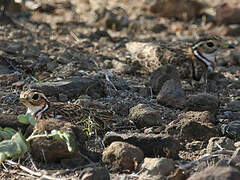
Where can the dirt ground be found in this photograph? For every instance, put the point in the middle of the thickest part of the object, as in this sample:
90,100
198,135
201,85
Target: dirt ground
51,41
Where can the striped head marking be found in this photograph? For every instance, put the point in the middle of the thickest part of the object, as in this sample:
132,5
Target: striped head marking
35,101
205,50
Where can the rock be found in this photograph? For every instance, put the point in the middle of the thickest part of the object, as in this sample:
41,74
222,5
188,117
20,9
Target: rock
216,173
172,94
231,130
152,145
8,120
196,131
188,129
123,156
202,102
145,116
223,142
186,9
72,87
157,166
235,159
146,53
202,117
96,173
53,150
161,75
228,13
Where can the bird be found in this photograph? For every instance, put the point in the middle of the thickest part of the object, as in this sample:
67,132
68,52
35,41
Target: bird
197,57
40,107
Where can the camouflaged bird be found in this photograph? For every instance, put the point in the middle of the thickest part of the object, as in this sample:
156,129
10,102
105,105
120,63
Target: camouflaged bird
41,108
199,57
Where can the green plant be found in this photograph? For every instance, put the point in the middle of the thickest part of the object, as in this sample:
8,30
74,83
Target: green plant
89,126
13,144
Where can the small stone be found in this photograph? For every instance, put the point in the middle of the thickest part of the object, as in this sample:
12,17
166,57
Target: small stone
10,120
186,10
157,166
144,116
151,144
172,94
228,13
123,156
224,173
162,75
188,129
52,149
72,87
223,142
202,102
202,117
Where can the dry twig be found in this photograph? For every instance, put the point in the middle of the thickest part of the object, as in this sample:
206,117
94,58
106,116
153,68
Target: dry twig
29,171
206,157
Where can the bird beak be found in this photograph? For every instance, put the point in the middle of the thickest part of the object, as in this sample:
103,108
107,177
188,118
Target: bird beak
227,46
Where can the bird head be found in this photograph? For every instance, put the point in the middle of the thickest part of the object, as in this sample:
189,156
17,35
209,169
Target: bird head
211,44
35,101
206,47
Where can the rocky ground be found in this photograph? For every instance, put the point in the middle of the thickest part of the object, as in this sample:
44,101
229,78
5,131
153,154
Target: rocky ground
77,51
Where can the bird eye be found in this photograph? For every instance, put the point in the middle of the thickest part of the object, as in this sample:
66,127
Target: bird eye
210,44
35,97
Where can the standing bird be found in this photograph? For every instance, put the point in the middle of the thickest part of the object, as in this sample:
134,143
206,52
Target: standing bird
199,55
41,108
204,52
